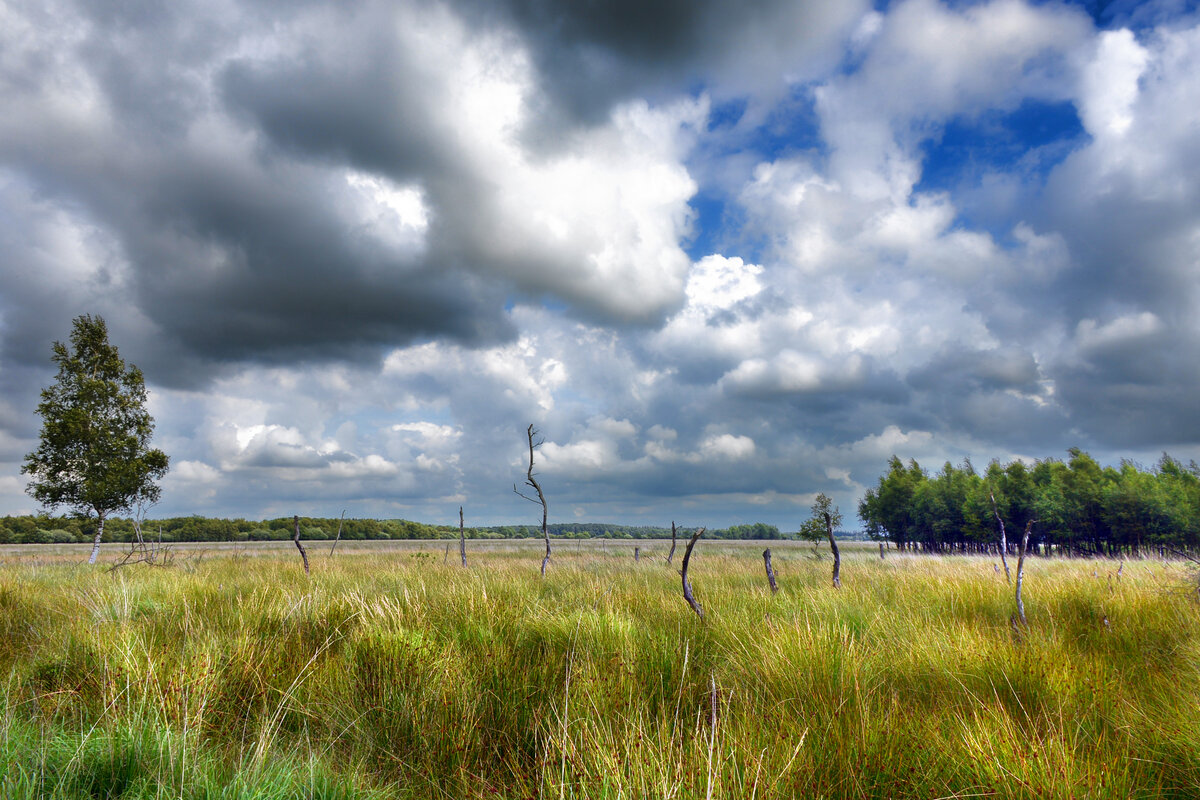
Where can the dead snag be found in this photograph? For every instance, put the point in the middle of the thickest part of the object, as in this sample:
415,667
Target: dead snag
1003,540
687,585
770,570
671,554
339,533
462,538
1021,571
823,510
837,557
300,547
531,482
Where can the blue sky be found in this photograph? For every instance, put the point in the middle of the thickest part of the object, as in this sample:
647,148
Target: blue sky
724,258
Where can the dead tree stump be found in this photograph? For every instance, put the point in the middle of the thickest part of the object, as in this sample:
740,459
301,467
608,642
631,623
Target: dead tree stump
462,537
837,556
300,547
687,584
770,570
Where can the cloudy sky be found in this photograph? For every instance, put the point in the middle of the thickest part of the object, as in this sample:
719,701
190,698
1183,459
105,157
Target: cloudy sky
723,255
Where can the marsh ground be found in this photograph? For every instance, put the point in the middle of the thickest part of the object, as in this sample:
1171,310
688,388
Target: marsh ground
390,673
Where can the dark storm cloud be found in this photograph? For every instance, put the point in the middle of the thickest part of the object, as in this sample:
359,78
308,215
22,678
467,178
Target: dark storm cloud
238,258
591,55
232,256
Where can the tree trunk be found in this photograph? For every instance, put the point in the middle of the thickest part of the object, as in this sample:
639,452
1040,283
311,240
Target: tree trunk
96,541
770,570
837,557
1021,573
462,538
687,585
531,482
1003,541
300,547
671,554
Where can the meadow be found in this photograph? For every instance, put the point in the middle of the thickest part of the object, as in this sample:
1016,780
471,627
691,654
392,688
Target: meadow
395,673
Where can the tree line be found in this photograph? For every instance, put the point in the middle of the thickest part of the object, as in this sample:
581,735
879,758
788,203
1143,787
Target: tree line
1077,506
47,529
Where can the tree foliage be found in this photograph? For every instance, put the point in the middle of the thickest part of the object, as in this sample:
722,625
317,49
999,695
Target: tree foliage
94,455
1079,505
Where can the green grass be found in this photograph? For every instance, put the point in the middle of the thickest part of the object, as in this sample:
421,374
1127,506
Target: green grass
391,674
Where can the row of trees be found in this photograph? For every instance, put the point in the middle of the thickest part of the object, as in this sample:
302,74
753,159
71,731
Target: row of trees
1079,507
45,529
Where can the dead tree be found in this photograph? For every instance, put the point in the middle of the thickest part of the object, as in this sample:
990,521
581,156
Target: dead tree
671,554
823,510
531,482
141,552
770,570
300,547
687,584
1021,571
339,533
837,557
462,538
1003,541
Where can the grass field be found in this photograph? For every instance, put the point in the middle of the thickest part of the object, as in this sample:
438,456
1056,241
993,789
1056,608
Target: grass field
392,674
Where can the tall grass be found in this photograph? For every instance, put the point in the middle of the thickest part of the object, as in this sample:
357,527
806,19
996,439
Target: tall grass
391,674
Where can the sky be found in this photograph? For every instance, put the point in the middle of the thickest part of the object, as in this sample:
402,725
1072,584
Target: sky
723,256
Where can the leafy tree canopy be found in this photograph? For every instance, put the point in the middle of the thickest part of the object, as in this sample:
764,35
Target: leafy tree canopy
94,454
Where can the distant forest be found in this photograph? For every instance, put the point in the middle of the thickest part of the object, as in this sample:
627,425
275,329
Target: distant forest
1076,506
65,529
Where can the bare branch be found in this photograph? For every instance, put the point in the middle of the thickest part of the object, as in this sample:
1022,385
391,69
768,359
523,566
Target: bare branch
339,533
